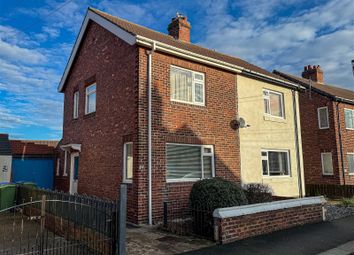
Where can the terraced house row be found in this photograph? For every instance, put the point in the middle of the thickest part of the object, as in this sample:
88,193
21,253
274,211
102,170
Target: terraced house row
158,113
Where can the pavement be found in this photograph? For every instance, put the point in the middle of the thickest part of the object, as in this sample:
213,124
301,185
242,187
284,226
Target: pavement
326,238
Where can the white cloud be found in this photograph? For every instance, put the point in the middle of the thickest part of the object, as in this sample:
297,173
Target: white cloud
320,35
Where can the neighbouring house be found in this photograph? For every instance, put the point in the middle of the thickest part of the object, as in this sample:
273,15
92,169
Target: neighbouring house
27,161
327,128
158,113
272,134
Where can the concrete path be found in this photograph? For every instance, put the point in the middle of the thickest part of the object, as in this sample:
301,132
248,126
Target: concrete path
146,240
332,237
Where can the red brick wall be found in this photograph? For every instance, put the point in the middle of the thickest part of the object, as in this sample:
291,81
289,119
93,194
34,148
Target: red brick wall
111,63
241,227
184,123
315,140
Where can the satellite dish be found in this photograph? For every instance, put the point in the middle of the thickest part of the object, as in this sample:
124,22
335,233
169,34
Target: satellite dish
239,123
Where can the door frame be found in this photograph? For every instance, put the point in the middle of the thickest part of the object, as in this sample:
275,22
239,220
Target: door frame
72,165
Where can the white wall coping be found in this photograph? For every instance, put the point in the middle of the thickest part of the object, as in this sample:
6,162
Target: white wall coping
265,207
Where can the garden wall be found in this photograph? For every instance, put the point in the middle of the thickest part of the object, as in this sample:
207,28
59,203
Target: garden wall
240,222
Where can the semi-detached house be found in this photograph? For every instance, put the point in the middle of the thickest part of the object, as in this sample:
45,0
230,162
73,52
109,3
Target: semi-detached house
158,113
327,127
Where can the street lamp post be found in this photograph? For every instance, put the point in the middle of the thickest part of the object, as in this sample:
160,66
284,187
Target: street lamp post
353,66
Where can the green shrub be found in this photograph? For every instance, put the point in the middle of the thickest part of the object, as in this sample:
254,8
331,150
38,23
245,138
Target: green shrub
258,193
348,202
216,193
208,195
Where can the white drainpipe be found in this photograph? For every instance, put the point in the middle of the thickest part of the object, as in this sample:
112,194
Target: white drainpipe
149,53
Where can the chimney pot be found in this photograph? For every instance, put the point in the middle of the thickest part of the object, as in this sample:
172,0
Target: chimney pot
313,73
179,28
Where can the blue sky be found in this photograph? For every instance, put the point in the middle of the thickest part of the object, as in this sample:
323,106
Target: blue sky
36,38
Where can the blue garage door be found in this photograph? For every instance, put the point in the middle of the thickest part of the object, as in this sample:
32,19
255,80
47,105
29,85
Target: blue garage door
37,170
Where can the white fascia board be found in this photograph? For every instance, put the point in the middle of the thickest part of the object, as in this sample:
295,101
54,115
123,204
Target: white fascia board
122,34
265,207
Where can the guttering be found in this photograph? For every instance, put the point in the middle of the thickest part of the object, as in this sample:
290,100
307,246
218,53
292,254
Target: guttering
143,41
149,53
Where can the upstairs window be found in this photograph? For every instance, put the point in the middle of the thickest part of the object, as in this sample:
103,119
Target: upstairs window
187,86
187,162
349,118
323,121
275,163
327,164
273,103
76,105
90,105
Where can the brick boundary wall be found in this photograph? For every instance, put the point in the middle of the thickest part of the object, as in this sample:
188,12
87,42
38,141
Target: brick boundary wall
236,223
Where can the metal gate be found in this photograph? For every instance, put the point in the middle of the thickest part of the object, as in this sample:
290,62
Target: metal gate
48,222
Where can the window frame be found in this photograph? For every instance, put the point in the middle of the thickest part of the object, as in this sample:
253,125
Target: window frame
349,153
281,100
275,150
345,121
319,119
322,165
125,179
193,87
76,104
87,94
57,172
210,154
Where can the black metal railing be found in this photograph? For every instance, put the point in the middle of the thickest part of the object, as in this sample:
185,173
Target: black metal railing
183,219
50,222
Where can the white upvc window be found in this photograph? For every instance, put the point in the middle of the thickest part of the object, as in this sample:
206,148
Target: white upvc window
273,103
327,164
90,102
189,162
128,162
76,105
187,86
58,167
350,159
322,115
65,170
275,162
349,119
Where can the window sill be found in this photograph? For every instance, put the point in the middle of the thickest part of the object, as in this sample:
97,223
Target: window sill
186,104
274,119
90,115
127,182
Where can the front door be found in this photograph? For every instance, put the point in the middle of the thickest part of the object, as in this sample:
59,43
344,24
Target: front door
74,172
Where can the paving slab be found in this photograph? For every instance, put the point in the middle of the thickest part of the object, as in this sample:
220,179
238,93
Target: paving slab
153,241
307,239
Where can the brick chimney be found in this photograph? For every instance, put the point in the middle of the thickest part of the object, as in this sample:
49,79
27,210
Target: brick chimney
313,73
180,28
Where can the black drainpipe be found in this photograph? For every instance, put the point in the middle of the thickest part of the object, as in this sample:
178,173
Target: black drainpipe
340,142
297,143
